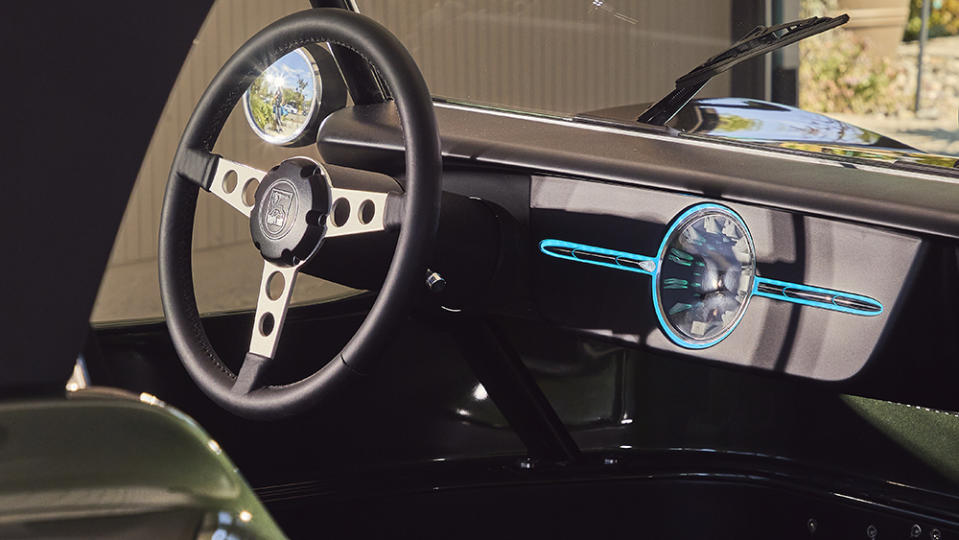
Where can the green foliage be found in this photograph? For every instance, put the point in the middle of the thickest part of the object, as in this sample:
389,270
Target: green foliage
943,19
261,110
817,8
293,97
836,74
732,122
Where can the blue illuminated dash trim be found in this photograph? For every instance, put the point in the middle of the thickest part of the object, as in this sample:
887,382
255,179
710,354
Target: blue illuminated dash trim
545,246
651,266
786,286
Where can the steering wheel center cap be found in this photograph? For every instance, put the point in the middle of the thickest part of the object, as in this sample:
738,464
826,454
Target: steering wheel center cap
288,219
280,201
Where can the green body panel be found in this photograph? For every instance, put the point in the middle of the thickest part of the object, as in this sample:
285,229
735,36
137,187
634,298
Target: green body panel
107,464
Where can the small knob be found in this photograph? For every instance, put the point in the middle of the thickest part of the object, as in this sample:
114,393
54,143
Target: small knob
435,282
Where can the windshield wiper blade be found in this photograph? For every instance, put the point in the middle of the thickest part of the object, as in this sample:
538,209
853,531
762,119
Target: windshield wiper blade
759,41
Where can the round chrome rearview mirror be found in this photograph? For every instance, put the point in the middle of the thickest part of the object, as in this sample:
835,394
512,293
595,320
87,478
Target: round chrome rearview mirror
285,104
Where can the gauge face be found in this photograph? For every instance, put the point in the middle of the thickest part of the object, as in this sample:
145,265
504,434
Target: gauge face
705,276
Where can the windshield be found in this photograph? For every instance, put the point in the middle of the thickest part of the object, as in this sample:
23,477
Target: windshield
612,58
561,57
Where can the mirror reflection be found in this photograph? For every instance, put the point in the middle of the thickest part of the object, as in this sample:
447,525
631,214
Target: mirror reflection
281,102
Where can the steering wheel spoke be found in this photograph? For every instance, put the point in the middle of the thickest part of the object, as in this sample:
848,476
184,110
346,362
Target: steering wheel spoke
251,374
356,212
234,183
276,288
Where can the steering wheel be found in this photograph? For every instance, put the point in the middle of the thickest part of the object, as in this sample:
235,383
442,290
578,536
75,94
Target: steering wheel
293,211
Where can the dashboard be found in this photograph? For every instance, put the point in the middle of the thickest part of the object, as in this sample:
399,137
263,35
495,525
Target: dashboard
814,267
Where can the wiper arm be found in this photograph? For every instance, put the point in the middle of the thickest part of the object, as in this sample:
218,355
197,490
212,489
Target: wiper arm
759,41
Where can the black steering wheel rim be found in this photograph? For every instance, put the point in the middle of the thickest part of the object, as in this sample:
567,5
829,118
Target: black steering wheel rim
418,226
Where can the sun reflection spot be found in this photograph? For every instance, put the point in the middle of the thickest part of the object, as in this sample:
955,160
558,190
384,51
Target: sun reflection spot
215,447
479,393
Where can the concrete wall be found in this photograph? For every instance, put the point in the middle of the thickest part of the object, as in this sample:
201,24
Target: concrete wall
557,55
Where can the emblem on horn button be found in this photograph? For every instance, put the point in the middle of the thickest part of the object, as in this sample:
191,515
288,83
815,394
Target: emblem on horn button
280,209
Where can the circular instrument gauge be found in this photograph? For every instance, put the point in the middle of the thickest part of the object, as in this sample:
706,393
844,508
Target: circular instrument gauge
704,276
286,103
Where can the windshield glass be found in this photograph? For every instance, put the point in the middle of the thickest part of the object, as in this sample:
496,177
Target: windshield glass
557,56
612,58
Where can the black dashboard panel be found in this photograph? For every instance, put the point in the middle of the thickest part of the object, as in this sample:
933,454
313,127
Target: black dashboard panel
786,337
889,235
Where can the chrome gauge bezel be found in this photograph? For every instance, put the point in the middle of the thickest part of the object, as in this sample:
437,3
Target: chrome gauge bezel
301,135
681,223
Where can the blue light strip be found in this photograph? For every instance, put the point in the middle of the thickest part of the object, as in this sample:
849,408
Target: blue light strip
782,291
787,286
650,262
